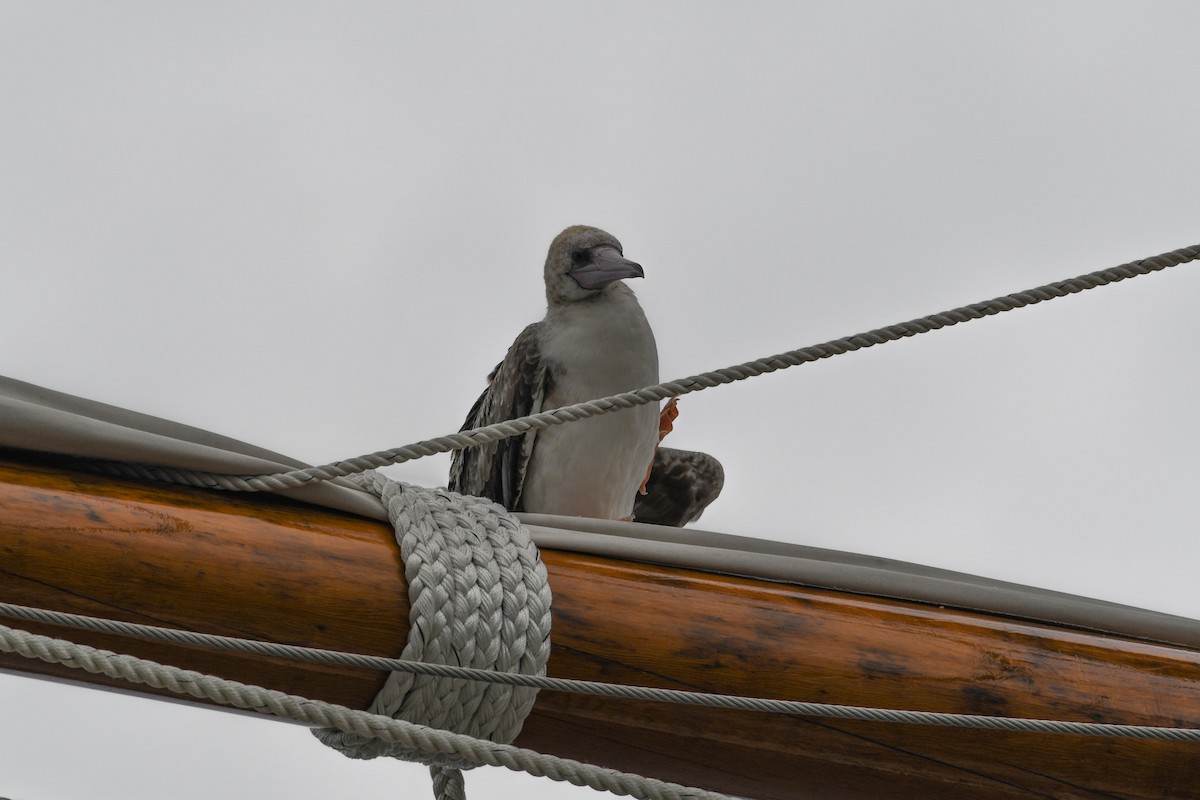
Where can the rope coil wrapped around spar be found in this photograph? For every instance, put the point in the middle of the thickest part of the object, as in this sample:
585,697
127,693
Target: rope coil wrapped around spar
479,598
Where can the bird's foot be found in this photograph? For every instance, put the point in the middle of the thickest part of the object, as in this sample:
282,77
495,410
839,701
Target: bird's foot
666,424
666,420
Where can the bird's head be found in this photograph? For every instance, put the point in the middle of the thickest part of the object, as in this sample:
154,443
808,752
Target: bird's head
583,262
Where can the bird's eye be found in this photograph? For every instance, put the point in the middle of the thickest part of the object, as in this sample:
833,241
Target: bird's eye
579,257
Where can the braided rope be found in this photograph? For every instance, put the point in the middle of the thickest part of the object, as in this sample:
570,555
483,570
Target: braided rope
479,598
650,394
448,783
702,699
433,744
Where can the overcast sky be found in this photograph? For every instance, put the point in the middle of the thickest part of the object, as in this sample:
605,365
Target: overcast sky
317,226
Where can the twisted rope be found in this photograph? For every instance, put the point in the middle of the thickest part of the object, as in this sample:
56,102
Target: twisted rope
433,744
651,394
701,699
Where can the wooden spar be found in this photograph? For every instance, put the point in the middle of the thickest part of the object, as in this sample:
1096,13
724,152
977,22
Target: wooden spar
262,567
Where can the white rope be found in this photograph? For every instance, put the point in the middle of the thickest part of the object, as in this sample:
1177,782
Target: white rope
649,394
432,744
479,598
595,688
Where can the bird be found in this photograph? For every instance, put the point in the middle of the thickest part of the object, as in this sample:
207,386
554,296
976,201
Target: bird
594,341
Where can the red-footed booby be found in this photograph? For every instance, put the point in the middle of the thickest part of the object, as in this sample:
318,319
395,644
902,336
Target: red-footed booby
594,342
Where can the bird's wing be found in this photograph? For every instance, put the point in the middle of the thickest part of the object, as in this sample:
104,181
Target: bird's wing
682,484
516,388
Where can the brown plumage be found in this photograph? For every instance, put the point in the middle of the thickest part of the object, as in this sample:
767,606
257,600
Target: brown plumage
497,470
682,484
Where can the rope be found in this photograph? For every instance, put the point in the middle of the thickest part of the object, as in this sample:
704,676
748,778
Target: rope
651,394
433,744
448,783
480,598
703,699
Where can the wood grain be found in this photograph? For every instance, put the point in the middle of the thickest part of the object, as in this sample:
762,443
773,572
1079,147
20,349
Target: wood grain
266,568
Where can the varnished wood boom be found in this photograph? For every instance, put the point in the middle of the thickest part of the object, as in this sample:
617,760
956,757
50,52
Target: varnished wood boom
266,568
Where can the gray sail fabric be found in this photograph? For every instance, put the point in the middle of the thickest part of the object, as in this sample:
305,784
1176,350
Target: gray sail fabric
45,421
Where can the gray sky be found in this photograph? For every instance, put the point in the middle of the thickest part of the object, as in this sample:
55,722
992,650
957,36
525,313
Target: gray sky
316,227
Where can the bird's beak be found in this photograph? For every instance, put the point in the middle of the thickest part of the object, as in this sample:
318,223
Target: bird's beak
606,265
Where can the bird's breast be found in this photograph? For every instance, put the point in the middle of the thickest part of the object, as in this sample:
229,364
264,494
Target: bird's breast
594,467
595,349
